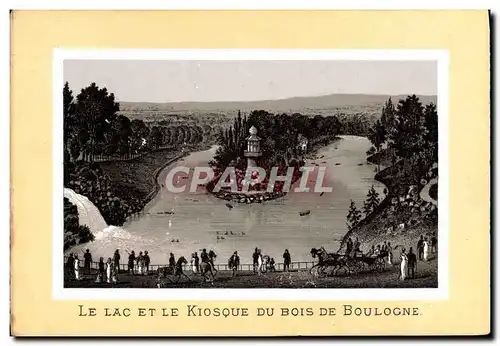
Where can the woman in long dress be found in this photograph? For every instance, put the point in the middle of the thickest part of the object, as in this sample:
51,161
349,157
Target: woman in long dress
77,267
389,253
108,270
404,264
260,261
193,263
139,261
426,249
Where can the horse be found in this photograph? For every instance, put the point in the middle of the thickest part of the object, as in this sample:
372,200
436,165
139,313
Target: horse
176,271
325,259
206,268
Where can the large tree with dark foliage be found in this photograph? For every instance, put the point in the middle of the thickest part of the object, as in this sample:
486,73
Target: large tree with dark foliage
406,134
95,112
377,135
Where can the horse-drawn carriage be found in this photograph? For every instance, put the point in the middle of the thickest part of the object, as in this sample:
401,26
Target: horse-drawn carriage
330,264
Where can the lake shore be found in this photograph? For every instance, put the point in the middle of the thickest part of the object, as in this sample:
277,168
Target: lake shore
139,177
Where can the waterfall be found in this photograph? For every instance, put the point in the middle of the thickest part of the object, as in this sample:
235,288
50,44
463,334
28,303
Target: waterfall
88,214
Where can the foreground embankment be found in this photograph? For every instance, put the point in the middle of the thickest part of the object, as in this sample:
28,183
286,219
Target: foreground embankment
401,218
389,278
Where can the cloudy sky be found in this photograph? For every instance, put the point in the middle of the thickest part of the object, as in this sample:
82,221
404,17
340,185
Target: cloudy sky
177,81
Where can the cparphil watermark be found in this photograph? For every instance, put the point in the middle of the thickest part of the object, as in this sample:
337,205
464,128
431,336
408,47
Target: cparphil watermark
179,178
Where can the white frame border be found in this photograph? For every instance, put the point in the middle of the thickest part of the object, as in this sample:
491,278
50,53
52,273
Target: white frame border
291,294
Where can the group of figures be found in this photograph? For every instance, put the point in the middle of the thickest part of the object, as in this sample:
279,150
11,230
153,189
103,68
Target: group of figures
265,263
376,259
409,261
203,265
353,260
106,272
176,268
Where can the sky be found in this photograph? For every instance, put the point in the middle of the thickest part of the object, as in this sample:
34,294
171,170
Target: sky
208,81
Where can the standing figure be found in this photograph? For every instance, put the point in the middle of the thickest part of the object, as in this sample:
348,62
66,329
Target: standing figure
171,263
194,267
197,262
234,262
420,247
147,261
87,260
212,256
434,243
70,266
140,263
349,246
116,259
100,271
287,259
389,253
108,270
131,260
404,264
260,262
77,268
114,273
255,257
412,263
272,263
426,249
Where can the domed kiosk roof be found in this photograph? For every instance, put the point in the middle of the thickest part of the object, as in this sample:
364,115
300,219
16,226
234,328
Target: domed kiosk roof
253,133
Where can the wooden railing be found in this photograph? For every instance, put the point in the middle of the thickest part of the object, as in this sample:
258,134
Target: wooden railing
295,266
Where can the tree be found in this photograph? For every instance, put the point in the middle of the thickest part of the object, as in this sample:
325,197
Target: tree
377,135
388,114
95,112
156,137
353,216
406,134
372,201
68,114
431,129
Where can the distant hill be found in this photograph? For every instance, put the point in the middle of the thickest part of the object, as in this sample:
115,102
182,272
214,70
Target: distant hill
328,104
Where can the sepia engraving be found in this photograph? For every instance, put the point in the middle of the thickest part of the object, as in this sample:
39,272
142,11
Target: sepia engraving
250,174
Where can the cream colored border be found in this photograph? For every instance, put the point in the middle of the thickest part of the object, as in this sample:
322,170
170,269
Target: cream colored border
36,33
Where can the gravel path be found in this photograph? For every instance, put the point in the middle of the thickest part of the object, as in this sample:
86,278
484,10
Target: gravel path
424,194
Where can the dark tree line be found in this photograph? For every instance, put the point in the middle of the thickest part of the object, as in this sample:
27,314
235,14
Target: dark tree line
93,127
410,130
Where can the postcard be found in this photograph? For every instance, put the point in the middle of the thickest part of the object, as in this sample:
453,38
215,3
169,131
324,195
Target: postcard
169,181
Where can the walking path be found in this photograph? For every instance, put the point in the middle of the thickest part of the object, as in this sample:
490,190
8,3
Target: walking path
424,194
